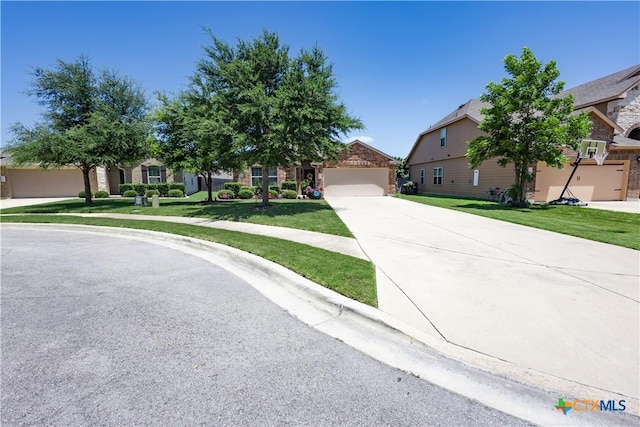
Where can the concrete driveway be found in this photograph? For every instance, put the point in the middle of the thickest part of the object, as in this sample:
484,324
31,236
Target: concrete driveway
14,203
561,305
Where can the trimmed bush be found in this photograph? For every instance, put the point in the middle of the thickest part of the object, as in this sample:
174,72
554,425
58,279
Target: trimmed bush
140,189
122,188
289,185
234,187
178,186
257,190
150,193
225,194
245,194
175,193
289,194
130,193
274,188
152,187
82,194
273,194
163,189
101,194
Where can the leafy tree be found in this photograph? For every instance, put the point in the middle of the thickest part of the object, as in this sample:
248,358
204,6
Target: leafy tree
402,168
192,137
91,119
281,110
526,121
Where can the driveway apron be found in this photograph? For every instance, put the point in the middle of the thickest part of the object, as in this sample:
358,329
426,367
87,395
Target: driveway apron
558,304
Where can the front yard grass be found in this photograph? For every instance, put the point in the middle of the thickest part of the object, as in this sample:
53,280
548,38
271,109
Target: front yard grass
349,276
616,228
312,215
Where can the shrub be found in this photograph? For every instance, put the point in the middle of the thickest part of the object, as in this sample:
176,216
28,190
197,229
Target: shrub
82,194
274,188
150,193
225,194
234,187
122,188
289,185
175,193
101,194
178,186
273,194
257,190
163,188
304,184
130,193
289,194
245,194
140,189
152,187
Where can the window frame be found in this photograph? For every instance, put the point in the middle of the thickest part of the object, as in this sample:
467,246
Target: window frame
443,137
154,179
256,179
422,175
438,175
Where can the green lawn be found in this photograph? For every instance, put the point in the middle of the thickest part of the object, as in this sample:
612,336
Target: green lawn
312,215
617,228
352,277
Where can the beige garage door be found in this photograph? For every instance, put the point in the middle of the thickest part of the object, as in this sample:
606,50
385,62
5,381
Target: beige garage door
341,182
49,183
590,182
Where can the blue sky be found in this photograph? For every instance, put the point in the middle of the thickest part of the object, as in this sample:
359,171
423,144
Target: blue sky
401,66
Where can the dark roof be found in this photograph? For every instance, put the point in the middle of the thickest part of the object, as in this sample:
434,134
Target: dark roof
623,141
604,89
470,109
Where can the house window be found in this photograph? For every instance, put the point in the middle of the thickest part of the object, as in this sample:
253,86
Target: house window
437,176
443,137
421,176
256,176
153,174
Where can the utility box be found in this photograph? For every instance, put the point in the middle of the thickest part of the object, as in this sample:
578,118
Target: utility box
155,201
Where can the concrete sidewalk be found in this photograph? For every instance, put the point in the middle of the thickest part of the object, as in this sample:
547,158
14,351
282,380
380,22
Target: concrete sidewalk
556,304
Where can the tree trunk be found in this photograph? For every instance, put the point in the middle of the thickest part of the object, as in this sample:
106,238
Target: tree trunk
87,184
209,182
265,186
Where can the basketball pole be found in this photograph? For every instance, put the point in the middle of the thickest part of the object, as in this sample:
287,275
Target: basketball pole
558,201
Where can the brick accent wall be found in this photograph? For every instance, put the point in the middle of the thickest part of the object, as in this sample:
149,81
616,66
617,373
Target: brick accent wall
358,155
600,130
633,183
5,189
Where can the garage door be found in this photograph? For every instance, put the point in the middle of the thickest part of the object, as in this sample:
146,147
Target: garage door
590,182
341,182
49,183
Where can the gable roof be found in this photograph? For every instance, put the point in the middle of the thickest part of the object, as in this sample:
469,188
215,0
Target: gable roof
469,110
605,88
357,141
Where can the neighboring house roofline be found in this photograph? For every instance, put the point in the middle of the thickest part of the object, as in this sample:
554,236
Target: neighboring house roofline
469,110
391,159
605,89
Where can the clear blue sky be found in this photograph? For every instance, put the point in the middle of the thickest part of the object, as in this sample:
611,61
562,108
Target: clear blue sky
401,66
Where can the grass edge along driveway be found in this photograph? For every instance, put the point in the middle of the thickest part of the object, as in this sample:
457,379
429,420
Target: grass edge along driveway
349,276
311,215
616,228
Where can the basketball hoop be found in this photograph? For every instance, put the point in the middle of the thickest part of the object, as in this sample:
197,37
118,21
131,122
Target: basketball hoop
599,158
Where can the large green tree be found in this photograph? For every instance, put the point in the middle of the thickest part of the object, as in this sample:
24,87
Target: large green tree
192,136
91,119
526,122
281,109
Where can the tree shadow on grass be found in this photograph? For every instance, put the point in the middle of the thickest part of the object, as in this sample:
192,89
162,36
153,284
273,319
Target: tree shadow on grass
243,210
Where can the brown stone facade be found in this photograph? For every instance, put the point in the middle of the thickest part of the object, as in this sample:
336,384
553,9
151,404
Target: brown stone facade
355,155
360,155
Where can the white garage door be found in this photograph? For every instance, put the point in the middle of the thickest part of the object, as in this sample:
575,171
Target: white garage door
49,183
341,182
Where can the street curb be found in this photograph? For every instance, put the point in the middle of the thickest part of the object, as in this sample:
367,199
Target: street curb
517,390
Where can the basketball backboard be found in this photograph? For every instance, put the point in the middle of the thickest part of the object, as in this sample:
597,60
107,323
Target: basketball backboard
589,148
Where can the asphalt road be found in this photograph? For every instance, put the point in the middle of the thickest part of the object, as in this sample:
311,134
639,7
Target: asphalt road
100,330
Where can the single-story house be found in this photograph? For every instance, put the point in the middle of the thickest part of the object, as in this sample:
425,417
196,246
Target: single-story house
358,170
33,181
438,164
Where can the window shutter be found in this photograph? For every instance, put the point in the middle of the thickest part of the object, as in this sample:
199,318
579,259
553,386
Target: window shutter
163,174
145,176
